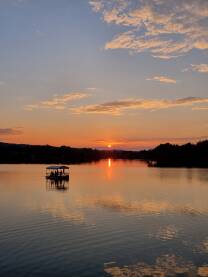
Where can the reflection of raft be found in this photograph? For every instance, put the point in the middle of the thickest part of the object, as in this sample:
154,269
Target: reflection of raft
57,184
57,172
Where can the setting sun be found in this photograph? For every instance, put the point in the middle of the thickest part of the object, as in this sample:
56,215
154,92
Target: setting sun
109,146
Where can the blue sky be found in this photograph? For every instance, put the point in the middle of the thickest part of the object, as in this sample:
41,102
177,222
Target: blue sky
90,73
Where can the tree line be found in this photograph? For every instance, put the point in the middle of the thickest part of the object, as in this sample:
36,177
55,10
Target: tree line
164,155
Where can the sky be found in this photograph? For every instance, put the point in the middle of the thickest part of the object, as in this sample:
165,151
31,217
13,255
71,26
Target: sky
92,73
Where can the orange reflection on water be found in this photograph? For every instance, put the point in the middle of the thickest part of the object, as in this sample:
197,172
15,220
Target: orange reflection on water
109,162
109,171
165,265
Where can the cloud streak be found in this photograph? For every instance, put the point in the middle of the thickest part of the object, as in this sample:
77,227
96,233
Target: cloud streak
201,68
162,79
57,102
10,131
120,106
201,108
164,28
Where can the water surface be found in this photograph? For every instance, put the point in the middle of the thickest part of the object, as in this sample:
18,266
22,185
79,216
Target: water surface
112,218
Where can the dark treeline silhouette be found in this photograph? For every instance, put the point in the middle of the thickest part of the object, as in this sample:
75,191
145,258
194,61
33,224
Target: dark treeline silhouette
164,155
187,155
23,153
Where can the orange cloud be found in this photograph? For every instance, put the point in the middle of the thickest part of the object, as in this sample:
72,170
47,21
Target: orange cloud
202,68
57,102
119,106
201,108
162,79
10,131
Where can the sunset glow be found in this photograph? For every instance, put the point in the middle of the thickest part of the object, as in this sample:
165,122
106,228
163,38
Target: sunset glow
103,70
104,138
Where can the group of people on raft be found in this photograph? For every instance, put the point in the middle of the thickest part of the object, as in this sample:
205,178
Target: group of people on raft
57,173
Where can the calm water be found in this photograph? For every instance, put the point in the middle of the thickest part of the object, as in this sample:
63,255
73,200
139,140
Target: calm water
111,219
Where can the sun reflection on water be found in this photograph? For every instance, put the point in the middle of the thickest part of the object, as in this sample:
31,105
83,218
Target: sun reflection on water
109,169
109,162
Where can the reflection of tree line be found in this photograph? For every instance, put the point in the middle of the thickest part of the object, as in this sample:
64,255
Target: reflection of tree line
189,155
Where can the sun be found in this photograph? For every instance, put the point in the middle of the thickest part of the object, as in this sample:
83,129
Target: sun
109,146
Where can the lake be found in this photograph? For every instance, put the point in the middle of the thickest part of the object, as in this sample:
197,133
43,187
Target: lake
112,218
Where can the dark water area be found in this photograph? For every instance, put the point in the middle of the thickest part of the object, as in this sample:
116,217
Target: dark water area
112,218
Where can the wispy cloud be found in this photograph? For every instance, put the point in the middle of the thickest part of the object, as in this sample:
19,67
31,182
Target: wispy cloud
162,79
57,102
201,108
96,5
119,106
165,28
10,131
91,88
202,68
